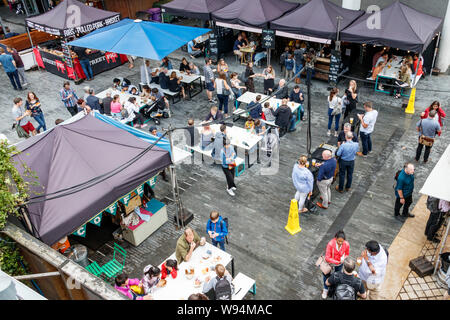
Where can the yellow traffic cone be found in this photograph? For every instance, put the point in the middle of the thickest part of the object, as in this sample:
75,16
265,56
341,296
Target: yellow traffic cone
293,224
412,100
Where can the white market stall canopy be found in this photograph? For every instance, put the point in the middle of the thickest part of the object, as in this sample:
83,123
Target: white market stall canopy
438,182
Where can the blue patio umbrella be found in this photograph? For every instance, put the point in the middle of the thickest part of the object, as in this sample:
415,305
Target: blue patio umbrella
151,40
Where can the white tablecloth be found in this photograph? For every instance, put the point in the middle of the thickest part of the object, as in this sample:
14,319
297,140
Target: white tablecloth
181,288
238,136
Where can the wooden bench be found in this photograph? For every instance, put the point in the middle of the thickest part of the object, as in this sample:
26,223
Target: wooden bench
240,163
242,285
167,92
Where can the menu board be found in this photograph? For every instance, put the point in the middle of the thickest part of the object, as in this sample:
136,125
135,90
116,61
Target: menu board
213,47
67,54
268,39
335,66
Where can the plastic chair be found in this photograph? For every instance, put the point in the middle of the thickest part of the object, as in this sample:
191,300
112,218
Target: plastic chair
115,266
95,269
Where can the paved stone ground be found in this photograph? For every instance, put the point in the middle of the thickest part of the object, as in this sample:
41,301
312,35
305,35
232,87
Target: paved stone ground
281,264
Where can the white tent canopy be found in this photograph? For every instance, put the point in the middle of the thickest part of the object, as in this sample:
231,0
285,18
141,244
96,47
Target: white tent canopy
438,182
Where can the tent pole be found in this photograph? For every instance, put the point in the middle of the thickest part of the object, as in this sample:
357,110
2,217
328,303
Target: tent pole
146,72
436,48
338,42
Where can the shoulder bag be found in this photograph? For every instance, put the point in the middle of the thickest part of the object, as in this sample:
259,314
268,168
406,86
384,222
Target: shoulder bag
323,265
424,140
337,108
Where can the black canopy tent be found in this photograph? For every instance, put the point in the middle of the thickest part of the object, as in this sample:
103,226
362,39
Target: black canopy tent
316,18
400,26
75,153
196,9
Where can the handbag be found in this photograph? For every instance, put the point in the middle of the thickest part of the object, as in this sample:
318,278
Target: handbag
323,265
225,91
310,205
337,109
424,140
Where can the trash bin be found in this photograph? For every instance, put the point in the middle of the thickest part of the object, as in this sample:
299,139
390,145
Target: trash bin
79,255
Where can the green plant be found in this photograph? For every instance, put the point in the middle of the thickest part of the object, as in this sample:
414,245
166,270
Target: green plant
10,258
14,190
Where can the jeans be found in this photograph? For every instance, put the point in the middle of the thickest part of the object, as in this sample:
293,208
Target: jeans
301,198
259,56
220,243
87,69
237,92
302,112
325,277
337,118
229,175
14,78
298,67
434,223
325,190
223,102
289,74
419,152
346,167
22,77
309,74
40,119
398,206
293,122
366,142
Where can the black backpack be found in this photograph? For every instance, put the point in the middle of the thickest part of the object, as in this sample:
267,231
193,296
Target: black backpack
344,291
222,289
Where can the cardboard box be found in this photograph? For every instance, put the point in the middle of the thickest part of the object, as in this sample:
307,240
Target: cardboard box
134,202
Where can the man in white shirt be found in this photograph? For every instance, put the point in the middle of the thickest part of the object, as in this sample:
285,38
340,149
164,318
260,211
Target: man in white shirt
368,121
373,268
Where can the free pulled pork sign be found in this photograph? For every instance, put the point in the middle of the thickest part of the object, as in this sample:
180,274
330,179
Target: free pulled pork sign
100,61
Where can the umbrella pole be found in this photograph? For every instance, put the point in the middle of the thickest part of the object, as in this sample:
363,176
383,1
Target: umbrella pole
146,72
436,48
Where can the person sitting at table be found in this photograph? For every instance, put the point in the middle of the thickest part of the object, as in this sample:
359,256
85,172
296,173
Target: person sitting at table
157,95
184,66
146,71
116,106
238,44
106,103
254,108
269,79
155,76
224,279
380,66
93,101
377,56
170,267
166,63
283,116
342,134
121,84
260,128
403,81
236,87
198,296
151,279
218,143
133,112
206,137
123,284
297,97
267,113
133,90
250,125
174,84
281,89
194,69
214,114
193,51
146,92
244,38
163,78
191,133
187,243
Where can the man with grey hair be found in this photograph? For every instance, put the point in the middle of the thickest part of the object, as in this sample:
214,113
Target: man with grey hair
344,284
427,128
187,243
282,90
325,178
403,192
341,136
93,101
347,153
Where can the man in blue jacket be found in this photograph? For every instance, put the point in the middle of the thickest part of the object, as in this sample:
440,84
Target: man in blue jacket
217,229
255,108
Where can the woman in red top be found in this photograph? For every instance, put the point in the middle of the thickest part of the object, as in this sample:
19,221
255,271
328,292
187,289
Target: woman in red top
169,267
436,105
337,250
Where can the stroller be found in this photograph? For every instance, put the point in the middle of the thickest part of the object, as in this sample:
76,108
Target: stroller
155,111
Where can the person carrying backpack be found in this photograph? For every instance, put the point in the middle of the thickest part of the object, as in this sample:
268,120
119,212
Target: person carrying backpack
344,285
217,229
222,284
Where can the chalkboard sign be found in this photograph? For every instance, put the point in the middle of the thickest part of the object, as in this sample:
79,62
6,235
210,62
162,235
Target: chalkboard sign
335,66
268,39
213,47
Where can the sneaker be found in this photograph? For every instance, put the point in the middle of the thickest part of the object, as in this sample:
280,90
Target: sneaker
369,78
136,125
25,84
336,134
144,125
230,192
234,188
324,294
328,133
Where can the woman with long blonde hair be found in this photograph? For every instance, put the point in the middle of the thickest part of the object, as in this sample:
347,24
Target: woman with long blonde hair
352,97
